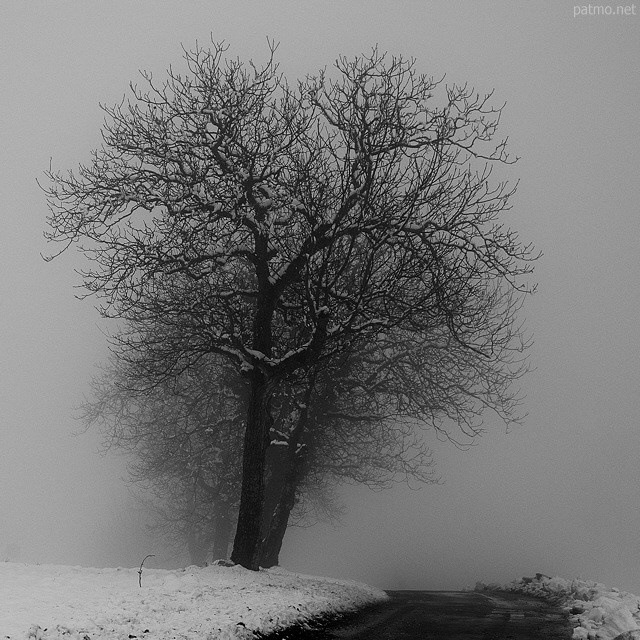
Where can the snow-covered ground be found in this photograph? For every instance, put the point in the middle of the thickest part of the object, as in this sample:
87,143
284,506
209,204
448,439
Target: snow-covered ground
50,602
597,612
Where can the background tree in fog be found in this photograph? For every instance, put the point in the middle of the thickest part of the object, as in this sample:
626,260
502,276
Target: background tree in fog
184,439
183,435
345,423
353,210
356,420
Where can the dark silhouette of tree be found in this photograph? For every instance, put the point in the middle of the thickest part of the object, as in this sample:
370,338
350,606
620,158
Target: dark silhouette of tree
183,435
355,420
283,228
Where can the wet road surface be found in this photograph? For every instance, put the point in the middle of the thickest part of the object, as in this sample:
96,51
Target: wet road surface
453,615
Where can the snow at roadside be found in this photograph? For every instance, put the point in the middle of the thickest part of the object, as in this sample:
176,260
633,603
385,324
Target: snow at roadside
597,612
51,602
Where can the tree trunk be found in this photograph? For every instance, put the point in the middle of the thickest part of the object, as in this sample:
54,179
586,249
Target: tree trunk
290,475
197,552
223,527
277,462
246,545
272,544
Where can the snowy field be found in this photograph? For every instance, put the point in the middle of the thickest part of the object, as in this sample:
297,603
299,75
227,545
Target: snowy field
597,612
50,602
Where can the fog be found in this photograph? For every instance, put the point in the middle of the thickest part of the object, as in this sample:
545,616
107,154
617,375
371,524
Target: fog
561,494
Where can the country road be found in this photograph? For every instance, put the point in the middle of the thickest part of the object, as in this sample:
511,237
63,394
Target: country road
452,615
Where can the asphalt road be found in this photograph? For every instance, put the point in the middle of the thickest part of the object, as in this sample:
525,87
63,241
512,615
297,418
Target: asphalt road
453,615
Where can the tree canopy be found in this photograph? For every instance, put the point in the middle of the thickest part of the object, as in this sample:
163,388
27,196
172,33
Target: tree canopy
350,218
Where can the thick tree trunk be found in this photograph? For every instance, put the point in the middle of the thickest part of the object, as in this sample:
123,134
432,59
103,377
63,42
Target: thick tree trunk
272,544
246,545
290,475
277,461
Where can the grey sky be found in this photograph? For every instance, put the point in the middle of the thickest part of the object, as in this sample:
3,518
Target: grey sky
560,495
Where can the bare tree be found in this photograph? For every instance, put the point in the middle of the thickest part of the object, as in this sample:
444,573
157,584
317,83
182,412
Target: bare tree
355,421
184,437
349,210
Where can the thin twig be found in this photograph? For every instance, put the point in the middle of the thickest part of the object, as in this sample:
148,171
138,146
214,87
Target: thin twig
140,569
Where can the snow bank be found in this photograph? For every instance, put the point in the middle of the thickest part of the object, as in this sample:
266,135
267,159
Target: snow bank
49,602
597,612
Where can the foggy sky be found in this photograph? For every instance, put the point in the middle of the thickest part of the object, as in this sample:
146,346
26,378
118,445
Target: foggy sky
561,494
